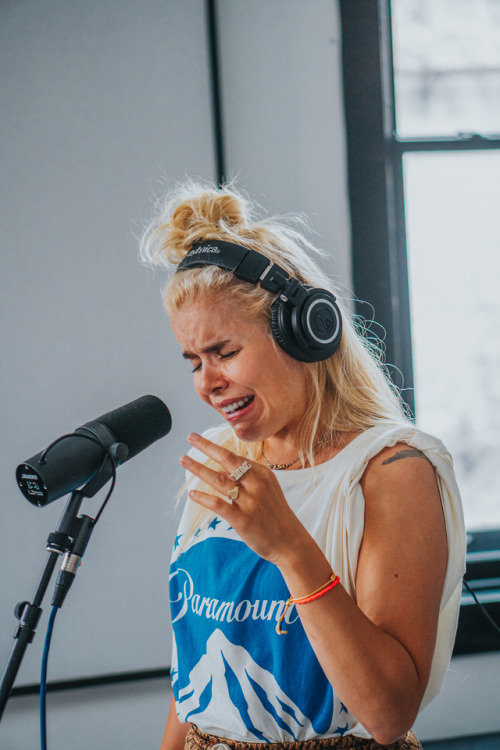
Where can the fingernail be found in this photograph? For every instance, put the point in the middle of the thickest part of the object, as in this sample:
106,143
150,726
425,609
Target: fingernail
193,437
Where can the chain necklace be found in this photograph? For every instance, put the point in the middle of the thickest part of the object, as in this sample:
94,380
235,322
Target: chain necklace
280,467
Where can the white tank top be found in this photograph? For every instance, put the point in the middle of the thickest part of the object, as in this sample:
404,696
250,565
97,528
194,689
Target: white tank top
232,675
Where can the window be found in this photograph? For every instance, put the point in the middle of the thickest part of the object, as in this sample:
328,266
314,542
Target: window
454,271
447,83
422,105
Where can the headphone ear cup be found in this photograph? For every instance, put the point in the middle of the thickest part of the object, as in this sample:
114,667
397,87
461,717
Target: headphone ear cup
311,331
282,330
320,323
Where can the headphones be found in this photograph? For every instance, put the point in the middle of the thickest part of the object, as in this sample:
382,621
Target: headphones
305,320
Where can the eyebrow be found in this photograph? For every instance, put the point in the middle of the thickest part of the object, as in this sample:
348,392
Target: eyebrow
207,349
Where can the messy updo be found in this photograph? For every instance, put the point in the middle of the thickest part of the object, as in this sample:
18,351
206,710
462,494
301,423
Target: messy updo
349,391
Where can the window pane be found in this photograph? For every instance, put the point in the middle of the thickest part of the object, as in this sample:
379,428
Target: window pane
447,66
453,229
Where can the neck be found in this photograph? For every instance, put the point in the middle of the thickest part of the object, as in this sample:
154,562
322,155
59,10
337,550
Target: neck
284,454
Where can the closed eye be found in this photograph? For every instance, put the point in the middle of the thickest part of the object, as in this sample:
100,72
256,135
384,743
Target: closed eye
222,356
229,354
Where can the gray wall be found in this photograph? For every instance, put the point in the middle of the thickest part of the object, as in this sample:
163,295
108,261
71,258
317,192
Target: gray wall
98,103
104,102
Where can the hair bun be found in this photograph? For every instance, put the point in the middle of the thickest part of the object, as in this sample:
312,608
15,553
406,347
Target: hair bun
209,211
195,213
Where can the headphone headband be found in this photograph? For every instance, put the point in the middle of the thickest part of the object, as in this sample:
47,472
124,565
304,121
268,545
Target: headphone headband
305,320
246,264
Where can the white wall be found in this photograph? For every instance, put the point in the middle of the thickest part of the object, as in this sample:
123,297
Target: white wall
98,101
102,101
282,101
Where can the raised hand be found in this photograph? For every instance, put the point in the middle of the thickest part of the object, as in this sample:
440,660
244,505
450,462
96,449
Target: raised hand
255,506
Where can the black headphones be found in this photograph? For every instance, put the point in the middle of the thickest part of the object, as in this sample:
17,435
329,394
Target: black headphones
305,320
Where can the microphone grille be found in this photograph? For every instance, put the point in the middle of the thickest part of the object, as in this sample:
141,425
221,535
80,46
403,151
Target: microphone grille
139,423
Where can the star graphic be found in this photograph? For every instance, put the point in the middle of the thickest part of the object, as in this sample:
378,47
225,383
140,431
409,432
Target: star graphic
343,708
197,533
213,523
342,730
177,541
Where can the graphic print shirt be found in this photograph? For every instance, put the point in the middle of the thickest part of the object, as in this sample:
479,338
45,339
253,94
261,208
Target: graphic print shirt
232,674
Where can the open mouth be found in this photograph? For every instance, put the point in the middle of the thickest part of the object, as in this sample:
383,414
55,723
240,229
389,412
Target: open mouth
238,405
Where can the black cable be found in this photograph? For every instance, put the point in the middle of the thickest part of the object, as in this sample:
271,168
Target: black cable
110,491
43,680
107,451
481,606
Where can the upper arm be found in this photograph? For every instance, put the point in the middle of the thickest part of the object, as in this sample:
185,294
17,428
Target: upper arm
403,556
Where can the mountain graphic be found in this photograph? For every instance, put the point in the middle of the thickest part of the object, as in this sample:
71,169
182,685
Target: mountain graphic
269,715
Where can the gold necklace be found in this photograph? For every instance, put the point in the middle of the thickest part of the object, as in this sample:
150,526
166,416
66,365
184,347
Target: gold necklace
280,467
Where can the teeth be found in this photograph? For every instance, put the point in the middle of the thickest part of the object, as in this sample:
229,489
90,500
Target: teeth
236,405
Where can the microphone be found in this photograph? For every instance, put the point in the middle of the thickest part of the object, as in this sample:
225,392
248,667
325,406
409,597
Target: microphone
73,460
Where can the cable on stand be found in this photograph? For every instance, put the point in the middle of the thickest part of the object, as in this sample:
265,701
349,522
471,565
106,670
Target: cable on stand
70,540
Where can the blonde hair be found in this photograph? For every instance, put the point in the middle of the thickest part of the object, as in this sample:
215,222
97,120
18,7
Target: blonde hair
351,390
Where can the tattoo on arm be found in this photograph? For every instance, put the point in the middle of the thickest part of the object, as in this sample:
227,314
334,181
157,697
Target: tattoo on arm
406,453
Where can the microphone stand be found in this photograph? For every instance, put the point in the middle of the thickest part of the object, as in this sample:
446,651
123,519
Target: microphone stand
69,539
28,613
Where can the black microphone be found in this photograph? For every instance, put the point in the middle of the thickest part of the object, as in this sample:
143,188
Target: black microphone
74,459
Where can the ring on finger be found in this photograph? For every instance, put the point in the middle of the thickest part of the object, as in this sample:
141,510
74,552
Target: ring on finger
240,471
233,493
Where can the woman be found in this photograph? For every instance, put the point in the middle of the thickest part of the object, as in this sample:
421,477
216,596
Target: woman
316,575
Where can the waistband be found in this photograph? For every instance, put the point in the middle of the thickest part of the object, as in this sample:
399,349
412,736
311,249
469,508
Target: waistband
198,740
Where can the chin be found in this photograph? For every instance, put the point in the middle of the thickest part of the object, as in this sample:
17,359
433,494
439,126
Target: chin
247,434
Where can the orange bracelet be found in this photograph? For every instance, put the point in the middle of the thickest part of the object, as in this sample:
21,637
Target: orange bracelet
328,586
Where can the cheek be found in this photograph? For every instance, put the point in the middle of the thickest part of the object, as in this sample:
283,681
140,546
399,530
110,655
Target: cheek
294,380
280,378
197,388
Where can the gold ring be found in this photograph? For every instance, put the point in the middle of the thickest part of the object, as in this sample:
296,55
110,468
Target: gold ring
240,471
233,493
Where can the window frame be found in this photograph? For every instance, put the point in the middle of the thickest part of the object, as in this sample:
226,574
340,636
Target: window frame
379,251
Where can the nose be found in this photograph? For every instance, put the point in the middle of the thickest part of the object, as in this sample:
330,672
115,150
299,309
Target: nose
211,379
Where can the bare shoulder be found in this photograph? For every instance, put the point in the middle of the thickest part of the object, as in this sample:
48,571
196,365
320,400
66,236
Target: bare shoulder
401,490
398,464
403,509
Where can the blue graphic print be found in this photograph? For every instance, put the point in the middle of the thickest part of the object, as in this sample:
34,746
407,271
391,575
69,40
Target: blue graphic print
225,602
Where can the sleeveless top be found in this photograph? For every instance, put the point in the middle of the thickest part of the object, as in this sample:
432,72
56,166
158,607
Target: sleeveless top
232,674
